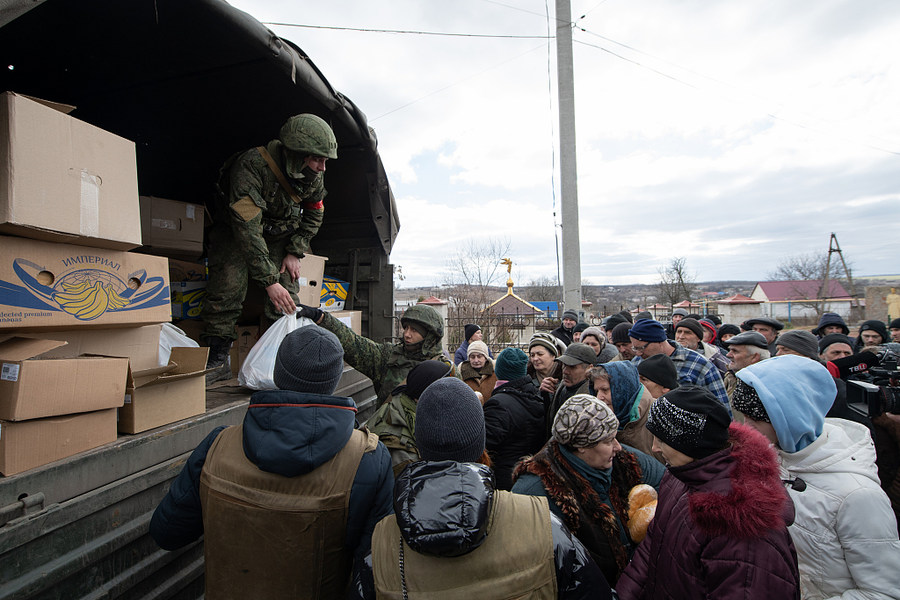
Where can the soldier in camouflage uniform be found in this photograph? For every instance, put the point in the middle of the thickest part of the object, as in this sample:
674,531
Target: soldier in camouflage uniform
387,364
270,208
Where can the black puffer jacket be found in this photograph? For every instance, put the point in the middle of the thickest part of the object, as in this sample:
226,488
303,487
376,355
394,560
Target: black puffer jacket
442,509
514,426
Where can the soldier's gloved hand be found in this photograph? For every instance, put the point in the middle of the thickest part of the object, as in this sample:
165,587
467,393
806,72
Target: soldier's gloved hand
309,312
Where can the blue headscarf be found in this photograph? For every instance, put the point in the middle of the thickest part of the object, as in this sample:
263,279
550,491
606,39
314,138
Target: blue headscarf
625,386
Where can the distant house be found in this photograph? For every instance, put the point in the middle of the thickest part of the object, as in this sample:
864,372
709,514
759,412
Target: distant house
787,300
738,308
512,319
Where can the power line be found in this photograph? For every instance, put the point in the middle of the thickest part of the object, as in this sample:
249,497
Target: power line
408,31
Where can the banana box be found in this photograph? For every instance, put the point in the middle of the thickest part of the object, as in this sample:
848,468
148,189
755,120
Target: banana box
333,295
63,286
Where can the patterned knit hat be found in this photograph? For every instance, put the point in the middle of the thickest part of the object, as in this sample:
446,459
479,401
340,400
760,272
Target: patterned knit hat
511,364
450,422
309,359
746,401
583,421
691,420
546,341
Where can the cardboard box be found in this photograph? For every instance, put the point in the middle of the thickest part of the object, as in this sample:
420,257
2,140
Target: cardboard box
139,344
312,271
171,228
182,270
350,318
28,444
246,338
160,396
334,294
65,180
63,286
187,299
32,386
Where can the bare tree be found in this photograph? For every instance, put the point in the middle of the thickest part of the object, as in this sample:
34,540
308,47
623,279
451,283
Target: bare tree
802,268
675,284
543,289
474,272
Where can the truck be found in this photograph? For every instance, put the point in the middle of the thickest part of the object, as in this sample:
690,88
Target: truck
190,82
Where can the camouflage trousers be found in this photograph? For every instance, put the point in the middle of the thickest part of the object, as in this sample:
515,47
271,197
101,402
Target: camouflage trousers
228,282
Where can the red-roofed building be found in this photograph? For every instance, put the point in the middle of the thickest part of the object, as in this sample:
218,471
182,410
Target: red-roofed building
738,308
787,300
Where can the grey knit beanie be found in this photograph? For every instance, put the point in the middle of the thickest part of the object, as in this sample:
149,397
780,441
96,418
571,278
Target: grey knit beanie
800,341
450,422
310,359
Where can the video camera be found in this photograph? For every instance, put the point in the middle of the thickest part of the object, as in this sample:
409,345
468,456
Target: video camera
881,394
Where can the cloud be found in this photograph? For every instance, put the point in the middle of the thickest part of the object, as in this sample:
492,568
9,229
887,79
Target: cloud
731,133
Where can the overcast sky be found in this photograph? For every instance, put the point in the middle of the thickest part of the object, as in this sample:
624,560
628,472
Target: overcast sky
731,133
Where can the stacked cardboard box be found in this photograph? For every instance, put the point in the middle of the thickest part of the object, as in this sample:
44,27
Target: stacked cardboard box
79,315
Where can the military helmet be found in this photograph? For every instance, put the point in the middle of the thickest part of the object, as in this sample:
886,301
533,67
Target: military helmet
308,135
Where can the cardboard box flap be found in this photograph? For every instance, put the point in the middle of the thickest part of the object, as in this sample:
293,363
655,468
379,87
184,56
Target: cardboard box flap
183,363
16,348
63,108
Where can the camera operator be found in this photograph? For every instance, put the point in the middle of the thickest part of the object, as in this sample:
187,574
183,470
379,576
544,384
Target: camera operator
873,391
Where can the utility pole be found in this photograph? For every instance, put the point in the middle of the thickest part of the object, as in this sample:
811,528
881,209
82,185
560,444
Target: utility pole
565,76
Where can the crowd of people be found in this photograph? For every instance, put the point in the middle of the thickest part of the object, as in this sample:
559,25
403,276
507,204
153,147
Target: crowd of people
635,459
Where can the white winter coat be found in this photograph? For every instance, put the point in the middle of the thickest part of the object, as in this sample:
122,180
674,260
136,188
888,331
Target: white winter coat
844,530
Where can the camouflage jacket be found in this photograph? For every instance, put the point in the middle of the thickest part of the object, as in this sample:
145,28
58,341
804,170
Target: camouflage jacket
395,425
260,209
387,364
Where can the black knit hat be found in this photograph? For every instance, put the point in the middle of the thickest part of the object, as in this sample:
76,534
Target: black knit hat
581,327
895,324
470,329
660,369
424,374
450,422
511,364
691,420
309,359
692,324
620,333
834,338
728,328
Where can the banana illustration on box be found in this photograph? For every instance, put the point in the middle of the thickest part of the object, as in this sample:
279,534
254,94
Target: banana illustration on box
86,294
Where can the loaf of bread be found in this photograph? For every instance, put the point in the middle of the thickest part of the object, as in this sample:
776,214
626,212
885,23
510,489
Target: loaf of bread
641,510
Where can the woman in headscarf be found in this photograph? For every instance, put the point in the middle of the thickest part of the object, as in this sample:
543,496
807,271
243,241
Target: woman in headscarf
596,339
618,385
542,352
586,476
477,371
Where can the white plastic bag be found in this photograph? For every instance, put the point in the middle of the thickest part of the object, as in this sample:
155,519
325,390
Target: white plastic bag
257,372
172,337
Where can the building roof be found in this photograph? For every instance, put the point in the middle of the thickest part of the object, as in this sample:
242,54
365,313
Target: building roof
510,304
738,299
433,300
780,291
685,304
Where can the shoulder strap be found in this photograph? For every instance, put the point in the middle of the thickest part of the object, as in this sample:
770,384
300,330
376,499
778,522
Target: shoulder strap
276,170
